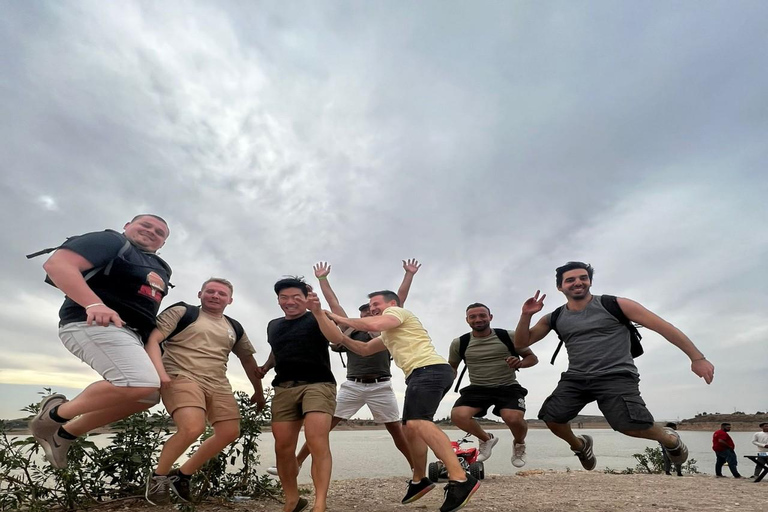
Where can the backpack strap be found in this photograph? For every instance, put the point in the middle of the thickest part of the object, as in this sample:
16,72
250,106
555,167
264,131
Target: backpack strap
553,325
463,344
611,304
503,336
190,315
237,327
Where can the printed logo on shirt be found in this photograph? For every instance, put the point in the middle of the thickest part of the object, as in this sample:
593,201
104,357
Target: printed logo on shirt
155,287
231,335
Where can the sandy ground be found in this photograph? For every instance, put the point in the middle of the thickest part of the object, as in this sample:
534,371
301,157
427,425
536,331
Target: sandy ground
577,491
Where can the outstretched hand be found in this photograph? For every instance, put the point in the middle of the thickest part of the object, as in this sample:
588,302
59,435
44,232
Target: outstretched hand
411,265
703,369
534,304
312,303
322,269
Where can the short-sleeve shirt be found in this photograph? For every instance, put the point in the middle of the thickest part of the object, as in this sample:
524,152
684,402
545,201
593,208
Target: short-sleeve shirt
201,351
717,445
300,350
136,283
409,343
374,366
486,360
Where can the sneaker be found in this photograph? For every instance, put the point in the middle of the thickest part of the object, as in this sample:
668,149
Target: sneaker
158,489
457,494
180,485
486,447
44,429
272,470
678,454
300,505
585,455
518,455
416,491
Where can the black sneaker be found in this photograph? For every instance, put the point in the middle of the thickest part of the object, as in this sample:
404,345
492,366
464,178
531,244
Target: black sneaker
416,491
586,455
457,494
180,485
158,490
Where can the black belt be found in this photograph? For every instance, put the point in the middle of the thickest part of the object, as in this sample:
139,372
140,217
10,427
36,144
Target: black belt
369,381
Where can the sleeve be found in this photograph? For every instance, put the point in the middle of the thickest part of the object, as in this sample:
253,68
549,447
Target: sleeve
453,353
169,319
98,248
243,347
399,313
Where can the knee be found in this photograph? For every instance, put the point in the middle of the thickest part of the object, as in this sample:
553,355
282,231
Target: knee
513,418
457,416
190,432
227,434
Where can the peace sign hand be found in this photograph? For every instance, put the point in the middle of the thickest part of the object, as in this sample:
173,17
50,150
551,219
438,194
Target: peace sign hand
534,304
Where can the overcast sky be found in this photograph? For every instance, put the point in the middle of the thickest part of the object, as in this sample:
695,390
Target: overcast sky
492,141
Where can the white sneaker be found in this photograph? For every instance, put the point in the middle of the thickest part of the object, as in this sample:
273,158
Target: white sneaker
518,455
486,447
272,470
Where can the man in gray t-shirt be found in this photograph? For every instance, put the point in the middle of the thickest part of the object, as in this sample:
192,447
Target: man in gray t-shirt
600,366
492,370
368,378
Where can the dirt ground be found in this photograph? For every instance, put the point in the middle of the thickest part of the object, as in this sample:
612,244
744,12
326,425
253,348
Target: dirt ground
539,491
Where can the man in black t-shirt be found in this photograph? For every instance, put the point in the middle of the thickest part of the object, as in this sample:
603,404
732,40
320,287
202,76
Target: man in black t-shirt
305,392
113,284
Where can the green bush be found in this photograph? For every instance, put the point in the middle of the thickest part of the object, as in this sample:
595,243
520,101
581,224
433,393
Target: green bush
119,470
652,461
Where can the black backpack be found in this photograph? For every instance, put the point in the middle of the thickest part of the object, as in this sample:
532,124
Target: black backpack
503,336
611,305
191,315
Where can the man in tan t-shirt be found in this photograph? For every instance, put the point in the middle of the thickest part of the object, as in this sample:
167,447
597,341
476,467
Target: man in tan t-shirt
194,385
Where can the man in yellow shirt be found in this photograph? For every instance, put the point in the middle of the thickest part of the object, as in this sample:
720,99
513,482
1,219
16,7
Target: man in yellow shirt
428,377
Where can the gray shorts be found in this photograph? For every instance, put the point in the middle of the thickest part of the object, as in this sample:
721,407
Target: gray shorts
617,396
116,353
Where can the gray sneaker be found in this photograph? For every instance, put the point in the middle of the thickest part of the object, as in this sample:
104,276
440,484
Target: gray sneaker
486,448
158,489
586,455
678,454
44,430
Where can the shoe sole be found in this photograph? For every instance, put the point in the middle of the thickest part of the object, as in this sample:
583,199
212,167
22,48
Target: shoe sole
464,503
46,446
519,464
419,494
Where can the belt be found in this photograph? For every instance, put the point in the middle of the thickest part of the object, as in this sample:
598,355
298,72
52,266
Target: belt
292,383
369,381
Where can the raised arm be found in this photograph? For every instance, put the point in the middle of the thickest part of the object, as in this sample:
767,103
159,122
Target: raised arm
639,314
322,269
525,336
332,333
411,266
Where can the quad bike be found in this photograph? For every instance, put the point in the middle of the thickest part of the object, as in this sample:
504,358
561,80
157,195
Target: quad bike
467,458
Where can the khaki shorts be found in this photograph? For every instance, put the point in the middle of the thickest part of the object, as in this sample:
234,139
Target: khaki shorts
292,403
184,392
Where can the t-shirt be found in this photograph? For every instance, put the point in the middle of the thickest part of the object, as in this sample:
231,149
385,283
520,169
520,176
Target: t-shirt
596,342
300,350
373,366
409,343
201,351
485,360
717,445
136,283
760,439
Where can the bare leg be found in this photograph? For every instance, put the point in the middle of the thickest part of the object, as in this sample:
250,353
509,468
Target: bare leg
395,429
224,433
96,419
102,395
564,432
190,424
304,451
317,425
463,417
438,442
656,433
418,450
286,434
515,420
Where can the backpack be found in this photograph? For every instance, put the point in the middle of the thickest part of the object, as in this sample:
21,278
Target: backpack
191,315
503,336
611,305
92,272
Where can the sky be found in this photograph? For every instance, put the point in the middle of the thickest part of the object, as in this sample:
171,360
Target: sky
492,141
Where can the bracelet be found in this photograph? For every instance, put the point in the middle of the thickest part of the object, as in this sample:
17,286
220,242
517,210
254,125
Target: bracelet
94,305
322,277
699,359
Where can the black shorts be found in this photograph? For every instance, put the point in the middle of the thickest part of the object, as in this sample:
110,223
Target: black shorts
501,397
617,396
424,388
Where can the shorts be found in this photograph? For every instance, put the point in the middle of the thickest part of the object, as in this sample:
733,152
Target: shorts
425,387
617,396
501,397
116,353
292,402
185,392
378,396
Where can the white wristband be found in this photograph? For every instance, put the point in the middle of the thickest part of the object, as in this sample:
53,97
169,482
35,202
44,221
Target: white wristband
94,305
